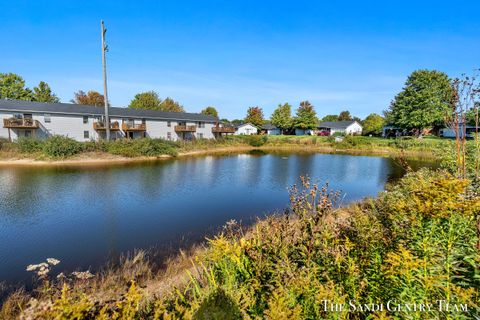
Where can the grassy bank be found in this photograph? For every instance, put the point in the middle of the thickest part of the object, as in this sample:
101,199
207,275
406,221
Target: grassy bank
414,243
61,148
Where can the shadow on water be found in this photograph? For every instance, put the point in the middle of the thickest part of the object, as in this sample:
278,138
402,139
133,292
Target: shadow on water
86,216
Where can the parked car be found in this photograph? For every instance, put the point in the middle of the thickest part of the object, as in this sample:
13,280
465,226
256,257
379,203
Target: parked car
323,133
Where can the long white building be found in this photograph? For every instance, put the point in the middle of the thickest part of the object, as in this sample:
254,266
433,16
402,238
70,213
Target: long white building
83,123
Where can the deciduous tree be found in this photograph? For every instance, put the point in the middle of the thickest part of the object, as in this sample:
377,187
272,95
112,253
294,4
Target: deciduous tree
171,105
330,117
306,117
211,111
423,102
43,93
373,124
12,86
282,117
255,116
91,98
146,100
345,116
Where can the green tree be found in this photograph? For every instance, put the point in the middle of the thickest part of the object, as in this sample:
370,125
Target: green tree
345,116
91,98
373,124
43,93
282,117
211,111
306,117
236,122
146,100
12,86
255,116
424,101
171,105
330,117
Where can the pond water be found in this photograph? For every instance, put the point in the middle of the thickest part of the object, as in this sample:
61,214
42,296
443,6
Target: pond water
86,216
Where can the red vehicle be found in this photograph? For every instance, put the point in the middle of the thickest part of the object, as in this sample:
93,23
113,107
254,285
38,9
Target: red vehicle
323,133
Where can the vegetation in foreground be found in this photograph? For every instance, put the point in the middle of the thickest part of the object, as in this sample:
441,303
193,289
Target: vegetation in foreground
415,243
59,147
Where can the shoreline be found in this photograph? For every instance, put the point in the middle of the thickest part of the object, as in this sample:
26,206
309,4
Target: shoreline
95,158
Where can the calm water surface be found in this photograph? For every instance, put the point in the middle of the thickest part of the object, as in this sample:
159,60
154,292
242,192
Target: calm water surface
86,216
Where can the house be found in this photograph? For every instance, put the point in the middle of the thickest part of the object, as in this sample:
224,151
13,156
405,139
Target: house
303,132
271,130
83,123
450,133
246,129
344,127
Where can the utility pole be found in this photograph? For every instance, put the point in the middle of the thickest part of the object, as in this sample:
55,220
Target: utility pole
105,94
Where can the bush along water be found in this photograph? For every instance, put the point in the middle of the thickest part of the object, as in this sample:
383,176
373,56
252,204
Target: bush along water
377,259
142,147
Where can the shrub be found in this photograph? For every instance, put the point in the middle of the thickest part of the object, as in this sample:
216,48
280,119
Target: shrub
256,141
142,147
6,145
29,145
61,147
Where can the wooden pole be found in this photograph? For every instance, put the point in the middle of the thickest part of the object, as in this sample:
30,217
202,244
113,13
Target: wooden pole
105,93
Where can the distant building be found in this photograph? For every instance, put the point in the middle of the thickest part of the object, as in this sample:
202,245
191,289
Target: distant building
450,133
303,132
83,123
344,127
246,129
271,130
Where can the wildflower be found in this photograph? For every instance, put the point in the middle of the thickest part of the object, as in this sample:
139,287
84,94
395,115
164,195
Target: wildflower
53,261
82,275
61,275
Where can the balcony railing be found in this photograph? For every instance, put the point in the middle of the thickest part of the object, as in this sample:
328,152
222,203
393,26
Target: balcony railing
134,127
185,128
114,126
223,130
24,123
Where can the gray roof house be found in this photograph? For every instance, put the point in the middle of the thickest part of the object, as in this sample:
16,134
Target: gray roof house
347,127
83,122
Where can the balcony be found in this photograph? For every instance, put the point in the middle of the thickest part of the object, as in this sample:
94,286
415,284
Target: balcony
25,123
134,127
223,130
185,128
100,126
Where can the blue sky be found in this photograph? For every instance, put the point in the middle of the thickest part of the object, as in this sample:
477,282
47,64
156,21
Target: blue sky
351,55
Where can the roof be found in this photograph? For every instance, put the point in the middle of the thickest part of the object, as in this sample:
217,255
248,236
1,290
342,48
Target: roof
336,124
79,109
269,127
243,125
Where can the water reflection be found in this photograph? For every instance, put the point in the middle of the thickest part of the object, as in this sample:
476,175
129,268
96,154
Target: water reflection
84,216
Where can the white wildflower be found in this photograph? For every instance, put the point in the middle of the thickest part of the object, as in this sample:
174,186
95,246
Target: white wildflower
53,261
82,275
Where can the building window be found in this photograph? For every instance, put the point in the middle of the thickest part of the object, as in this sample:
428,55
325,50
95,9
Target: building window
169,124
144,121
200,135
86,134
85,119
169,136
46,118
201,124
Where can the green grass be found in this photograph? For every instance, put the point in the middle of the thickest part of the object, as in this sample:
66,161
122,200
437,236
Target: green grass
58,147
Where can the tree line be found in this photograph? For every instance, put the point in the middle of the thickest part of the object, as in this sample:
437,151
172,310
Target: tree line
424,102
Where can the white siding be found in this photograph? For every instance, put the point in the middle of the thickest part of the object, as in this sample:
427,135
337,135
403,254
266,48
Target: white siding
354,128
246,129
72,126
